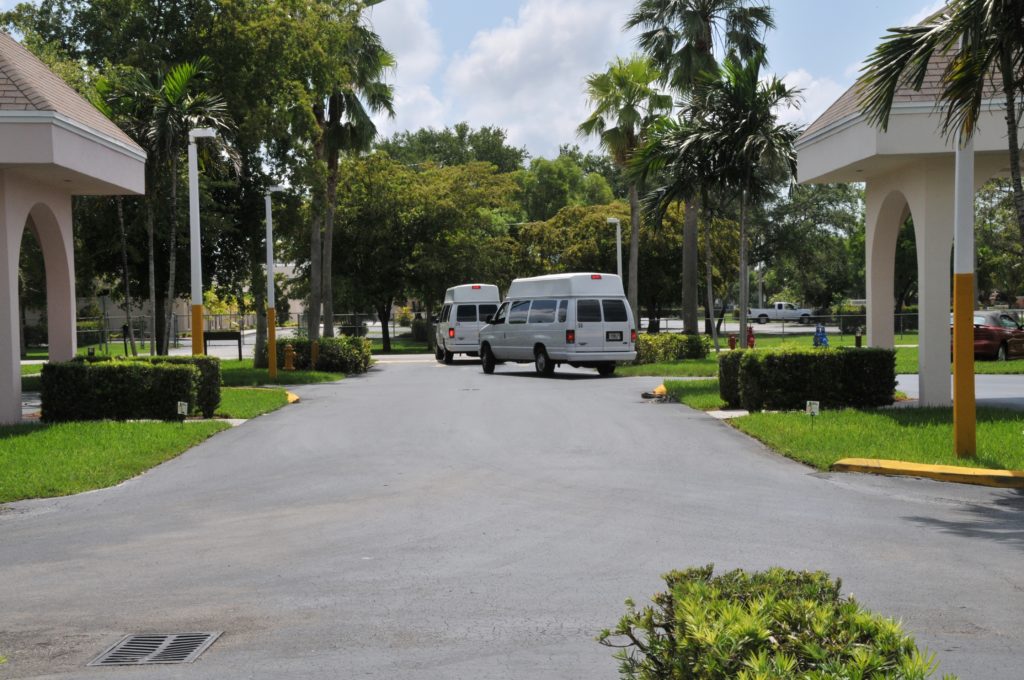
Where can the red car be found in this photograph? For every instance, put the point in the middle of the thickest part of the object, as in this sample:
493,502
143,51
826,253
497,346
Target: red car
997,335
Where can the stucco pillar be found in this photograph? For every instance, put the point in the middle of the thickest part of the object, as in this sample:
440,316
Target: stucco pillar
931,204
885,211
10,352
52,223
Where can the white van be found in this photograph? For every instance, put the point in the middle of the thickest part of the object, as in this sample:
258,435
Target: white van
466,309
576,319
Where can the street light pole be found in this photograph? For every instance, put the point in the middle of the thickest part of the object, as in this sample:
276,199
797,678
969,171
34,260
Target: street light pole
271,310
618,243
195,245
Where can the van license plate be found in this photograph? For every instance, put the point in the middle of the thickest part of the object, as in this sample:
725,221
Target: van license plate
614,336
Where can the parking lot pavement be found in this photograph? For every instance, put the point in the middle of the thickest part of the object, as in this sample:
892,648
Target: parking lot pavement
430,521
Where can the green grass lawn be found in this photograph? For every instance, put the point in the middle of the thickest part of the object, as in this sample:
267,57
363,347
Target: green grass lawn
42,461
31,369
689,368
235,373
699,394
249,402
400,345
918,435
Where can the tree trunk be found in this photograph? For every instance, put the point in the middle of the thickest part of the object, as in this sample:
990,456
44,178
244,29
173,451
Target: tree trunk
1006,67
709,269
634,252
327,280
315,267
172,262
690,247
384,315
744,282
259,300
124,268
150,226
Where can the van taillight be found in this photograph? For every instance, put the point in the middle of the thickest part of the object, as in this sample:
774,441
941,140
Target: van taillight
570,337
451,332
476,287
596,277
632,336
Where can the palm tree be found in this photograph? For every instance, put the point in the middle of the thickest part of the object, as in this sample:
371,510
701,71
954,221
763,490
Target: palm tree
985,43
681,37
346,127
734,122
159,113
626,102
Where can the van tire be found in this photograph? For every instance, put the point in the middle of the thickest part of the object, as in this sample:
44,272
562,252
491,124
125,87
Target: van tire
542,363
439,353
487,361
448,356
605,370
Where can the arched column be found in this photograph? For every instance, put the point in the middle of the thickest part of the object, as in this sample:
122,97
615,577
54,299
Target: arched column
886,210
52,227
10,353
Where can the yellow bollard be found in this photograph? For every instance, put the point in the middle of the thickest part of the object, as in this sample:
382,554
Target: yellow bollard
314,354
272,343
289,357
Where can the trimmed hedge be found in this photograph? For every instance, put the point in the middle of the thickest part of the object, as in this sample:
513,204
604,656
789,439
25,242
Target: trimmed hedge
116,390
784,380
209,376
337,355
772,624
729,377
652,349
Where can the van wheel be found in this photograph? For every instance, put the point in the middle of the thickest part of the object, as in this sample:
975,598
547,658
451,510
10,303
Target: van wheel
439,353
487,360
448,356
605,370
542,363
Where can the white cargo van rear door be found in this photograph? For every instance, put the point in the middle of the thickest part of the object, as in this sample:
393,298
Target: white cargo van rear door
589,326
616,325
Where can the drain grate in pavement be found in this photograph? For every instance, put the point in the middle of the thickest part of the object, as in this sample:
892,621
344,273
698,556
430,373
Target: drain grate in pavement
137,650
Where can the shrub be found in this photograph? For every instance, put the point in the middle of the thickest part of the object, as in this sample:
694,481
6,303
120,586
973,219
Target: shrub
729,377
405,316
786,379
359,330
772,624
208,389
342,355
850,318
652,349
420,330
116,390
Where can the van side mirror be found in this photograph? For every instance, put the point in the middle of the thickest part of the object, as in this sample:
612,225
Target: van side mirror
492,320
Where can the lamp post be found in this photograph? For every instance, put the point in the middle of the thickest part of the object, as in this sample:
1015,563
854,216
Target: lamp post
618,243
195,244
271,310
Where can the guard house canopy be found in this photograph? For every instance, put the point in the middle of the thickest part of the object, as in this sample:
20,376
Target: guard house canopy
53,145
907,170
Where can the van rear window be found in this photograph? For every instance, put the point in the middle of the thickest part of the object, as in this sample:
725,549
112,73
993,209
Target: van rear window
615,311
487,311
563,308
543,311
519,311
465,313
446,312
588,311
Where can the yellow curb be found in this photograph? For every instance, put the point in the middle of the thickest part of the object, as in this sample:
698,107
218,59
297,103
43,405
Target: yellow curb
293,398
1005,479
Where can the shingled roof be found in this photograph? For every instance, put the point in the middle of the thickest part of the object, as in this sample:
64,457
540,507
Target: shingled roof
26,84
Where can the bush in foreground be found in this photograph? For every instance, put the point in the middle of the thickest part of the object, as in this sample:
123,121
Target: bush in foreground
208,389
772,624
116,390
337,355
653,349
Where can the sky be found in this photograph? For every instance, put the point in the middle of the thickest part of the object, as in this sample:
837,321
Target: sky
521,64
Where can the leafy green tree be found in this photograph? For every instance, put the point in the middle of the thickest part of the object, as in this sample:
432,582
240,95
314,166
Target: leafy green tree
625,102
456,145
682,37
983,41
999,270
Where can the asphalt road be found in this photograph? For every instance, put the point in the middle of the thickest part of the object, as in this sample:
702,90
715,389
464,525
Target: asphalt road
426,521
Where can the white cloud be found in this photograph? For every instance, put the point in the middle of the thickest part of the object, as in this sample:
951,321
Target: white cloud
405,29
925,12
527,75
818,94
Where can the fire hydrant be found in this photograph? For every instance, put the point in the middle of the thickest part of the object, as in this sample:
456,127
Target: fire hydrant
732,341
750,337
289,357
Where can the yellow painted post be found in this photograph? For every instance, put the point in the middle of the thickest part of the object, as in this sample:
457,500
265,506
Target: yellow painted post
197,329
314,354
272,342
964,413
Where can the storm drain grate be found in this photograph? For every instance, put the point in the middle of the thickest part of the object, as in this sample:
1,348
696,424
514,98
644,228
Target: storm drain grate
136,650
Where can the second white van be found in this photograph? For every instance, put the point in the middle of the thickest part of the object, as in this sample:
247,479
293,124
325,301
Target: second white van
578,319
466,309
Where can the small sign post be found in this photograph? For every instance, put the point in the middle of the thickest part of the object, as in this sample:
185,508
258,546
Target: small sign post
813,409
183,409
